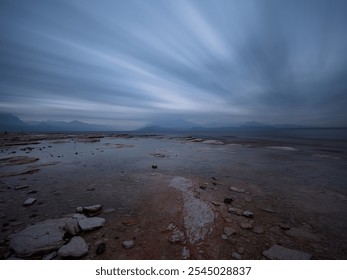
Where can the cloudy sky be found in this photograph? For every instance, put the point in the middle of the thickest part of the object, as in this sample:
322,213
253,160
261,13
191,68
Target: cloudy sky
211,62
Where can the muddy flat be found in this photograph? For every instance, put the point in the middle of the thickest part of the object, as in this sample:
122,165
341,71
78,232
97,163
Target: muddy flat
176,196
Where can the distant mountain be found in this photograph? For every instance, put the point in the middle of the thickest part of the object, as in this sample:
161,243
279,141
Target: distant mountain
164,125
9,122
254,124
69,126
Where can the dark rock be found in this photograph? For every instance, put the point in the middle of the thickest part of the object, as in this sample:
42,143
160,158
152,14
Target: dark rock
101,248
228,200
154,166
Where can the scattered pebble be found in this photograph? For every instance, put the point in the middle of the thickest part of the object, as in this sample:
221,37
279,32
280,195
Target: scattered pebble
128,244
229,231
236,256
248,214
246,225
224,237
236,211
29,201
258,230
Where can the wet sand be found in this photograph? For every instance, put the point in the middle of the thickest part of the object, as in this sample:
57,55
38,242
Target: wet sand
207,198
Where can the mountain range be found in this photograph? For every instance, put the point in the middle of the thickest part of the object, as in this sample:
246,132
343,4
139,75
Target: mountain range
9,122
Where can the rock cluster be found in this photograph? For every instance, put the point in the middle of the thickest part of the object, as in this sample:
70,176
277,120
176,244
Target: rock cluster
47,238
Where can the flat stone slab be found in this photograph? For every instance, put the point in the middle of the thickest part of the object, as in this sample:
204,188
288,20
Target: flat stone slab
91,223
278,252
76,248
38,239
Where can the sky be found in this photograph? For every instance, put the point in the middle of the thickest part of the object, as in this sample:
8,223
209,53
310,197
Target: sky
131,63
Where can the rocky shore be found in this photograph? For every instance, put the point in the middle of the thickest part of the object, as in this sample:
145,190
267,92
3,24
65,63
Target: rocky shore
170,197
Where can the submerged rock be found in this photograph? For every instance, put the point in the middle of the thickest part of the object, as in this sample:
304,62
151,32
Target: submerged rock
278,252
39,239
76,248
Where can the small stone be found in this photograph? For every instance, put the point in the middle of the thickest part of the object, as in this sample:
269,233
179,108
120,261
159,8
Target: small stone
224,237
21,187
185,253
240,250
248,214
229,231
216,203
228,200
29,201
171,226
176,236
131,221
128,244
90,189
79,209
278,252
284,226
236,211
100,249
238,190
269,210
228,220
92,210
236,256
32,191
258,230
246,225
91,223
203,187
76,248
154,166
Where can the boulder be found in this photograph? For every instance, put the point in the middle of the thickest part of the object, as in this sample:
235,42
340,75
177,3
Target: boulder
76,248
39,239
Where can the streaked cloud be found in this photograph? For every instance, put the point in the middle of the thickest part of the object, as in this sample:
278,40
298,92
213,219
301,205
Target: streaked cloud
129,62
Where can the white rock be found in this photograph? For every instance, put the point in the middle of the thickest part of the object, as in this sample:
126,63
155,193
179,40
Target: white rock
248,214
128,244
29,201
37,239
76,248
91,223
234,210
278,252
